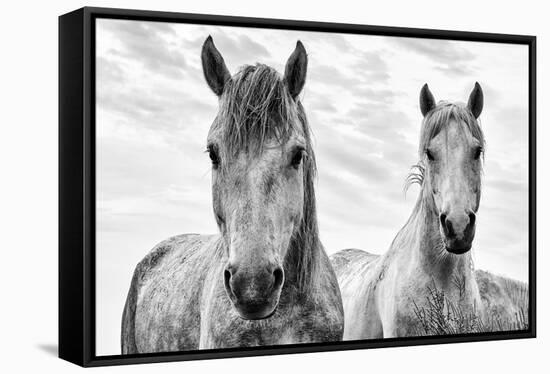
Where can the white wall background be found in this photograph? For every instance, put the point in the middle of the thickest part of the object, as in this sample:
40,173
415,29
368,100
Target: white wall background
28,192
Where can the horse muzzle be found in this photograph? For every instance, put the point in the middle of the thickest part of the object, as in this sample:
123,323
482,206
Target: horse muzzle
458,231
254,292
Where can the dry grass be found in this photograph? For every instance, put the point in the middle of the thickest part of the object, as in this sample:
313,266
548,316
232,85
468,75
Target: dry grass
440,316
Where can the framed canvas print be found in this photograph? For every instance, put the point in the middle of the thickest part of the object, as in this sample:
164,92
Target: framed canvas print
237,186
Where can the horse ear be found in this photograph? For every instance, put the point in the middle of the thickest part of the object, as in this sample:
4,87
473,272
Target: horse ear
427,100
296,69
475,102
213,67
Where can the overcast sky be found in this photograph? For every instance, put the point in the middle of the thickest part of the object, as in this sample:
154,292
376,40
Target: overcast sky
154,110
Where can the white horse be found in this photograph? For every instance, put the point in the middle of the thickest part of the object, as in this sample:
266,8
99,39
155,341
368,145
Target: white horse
385,296
265,279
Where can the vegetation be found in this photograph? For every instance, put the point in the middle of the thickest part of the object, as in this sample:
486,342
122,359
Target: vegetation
440,316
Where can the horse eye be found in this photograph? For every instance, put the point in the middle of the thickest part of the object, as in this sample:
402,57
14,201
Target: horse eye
297,158
213,156
477,153
429,155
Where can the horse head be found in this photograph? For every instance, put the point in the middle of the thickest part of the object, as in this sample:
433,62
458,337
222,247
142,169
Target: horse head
451,149
262,161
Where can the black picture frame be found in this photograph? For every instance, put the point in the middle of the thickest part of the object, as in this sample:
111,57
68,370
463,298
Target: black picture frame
77,183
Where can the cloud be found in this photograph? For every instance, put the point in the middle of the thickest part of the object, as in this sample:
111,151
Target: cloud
368,69
172,110
377,95
236,50
382,122
346,206
148,43
125,164
321,104
331,76
371,68
365,163
338,42
512,116
506,185
449,57
357,160
109,71
169,110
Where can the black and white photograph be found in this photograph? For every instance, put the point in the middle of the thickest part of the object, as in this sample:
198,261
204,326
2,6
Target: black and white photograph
247,187
265,187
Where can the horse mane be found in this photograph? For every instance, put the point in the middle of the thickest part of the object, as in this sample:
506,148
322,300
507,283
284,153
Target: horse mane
433,123
415,176
256,108
305,244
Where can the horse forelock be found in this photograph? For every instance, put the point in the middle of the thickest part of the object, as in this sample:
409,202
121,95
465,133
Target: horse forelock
441,116
256,108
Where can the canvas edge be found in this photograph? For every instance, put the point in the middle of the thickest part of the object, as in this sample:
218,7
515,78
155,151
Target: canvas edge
71,234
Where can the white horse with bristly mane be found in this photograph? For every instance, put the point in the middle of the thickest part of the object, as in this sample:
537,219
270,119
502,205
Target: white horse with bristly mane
265,278
427,274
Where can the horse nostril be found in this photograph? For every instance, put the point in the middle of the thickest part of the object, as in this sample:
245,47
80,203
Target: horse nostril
447,226
472,218
227,275
279,277
442,219
227,279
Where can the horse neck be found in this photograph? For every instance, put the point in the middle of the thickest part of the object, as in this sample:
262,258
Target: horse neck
421,238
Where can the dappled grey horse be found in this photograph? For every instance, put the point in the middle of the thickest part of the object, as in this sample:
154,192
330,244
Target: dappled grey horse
265,279
392,295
